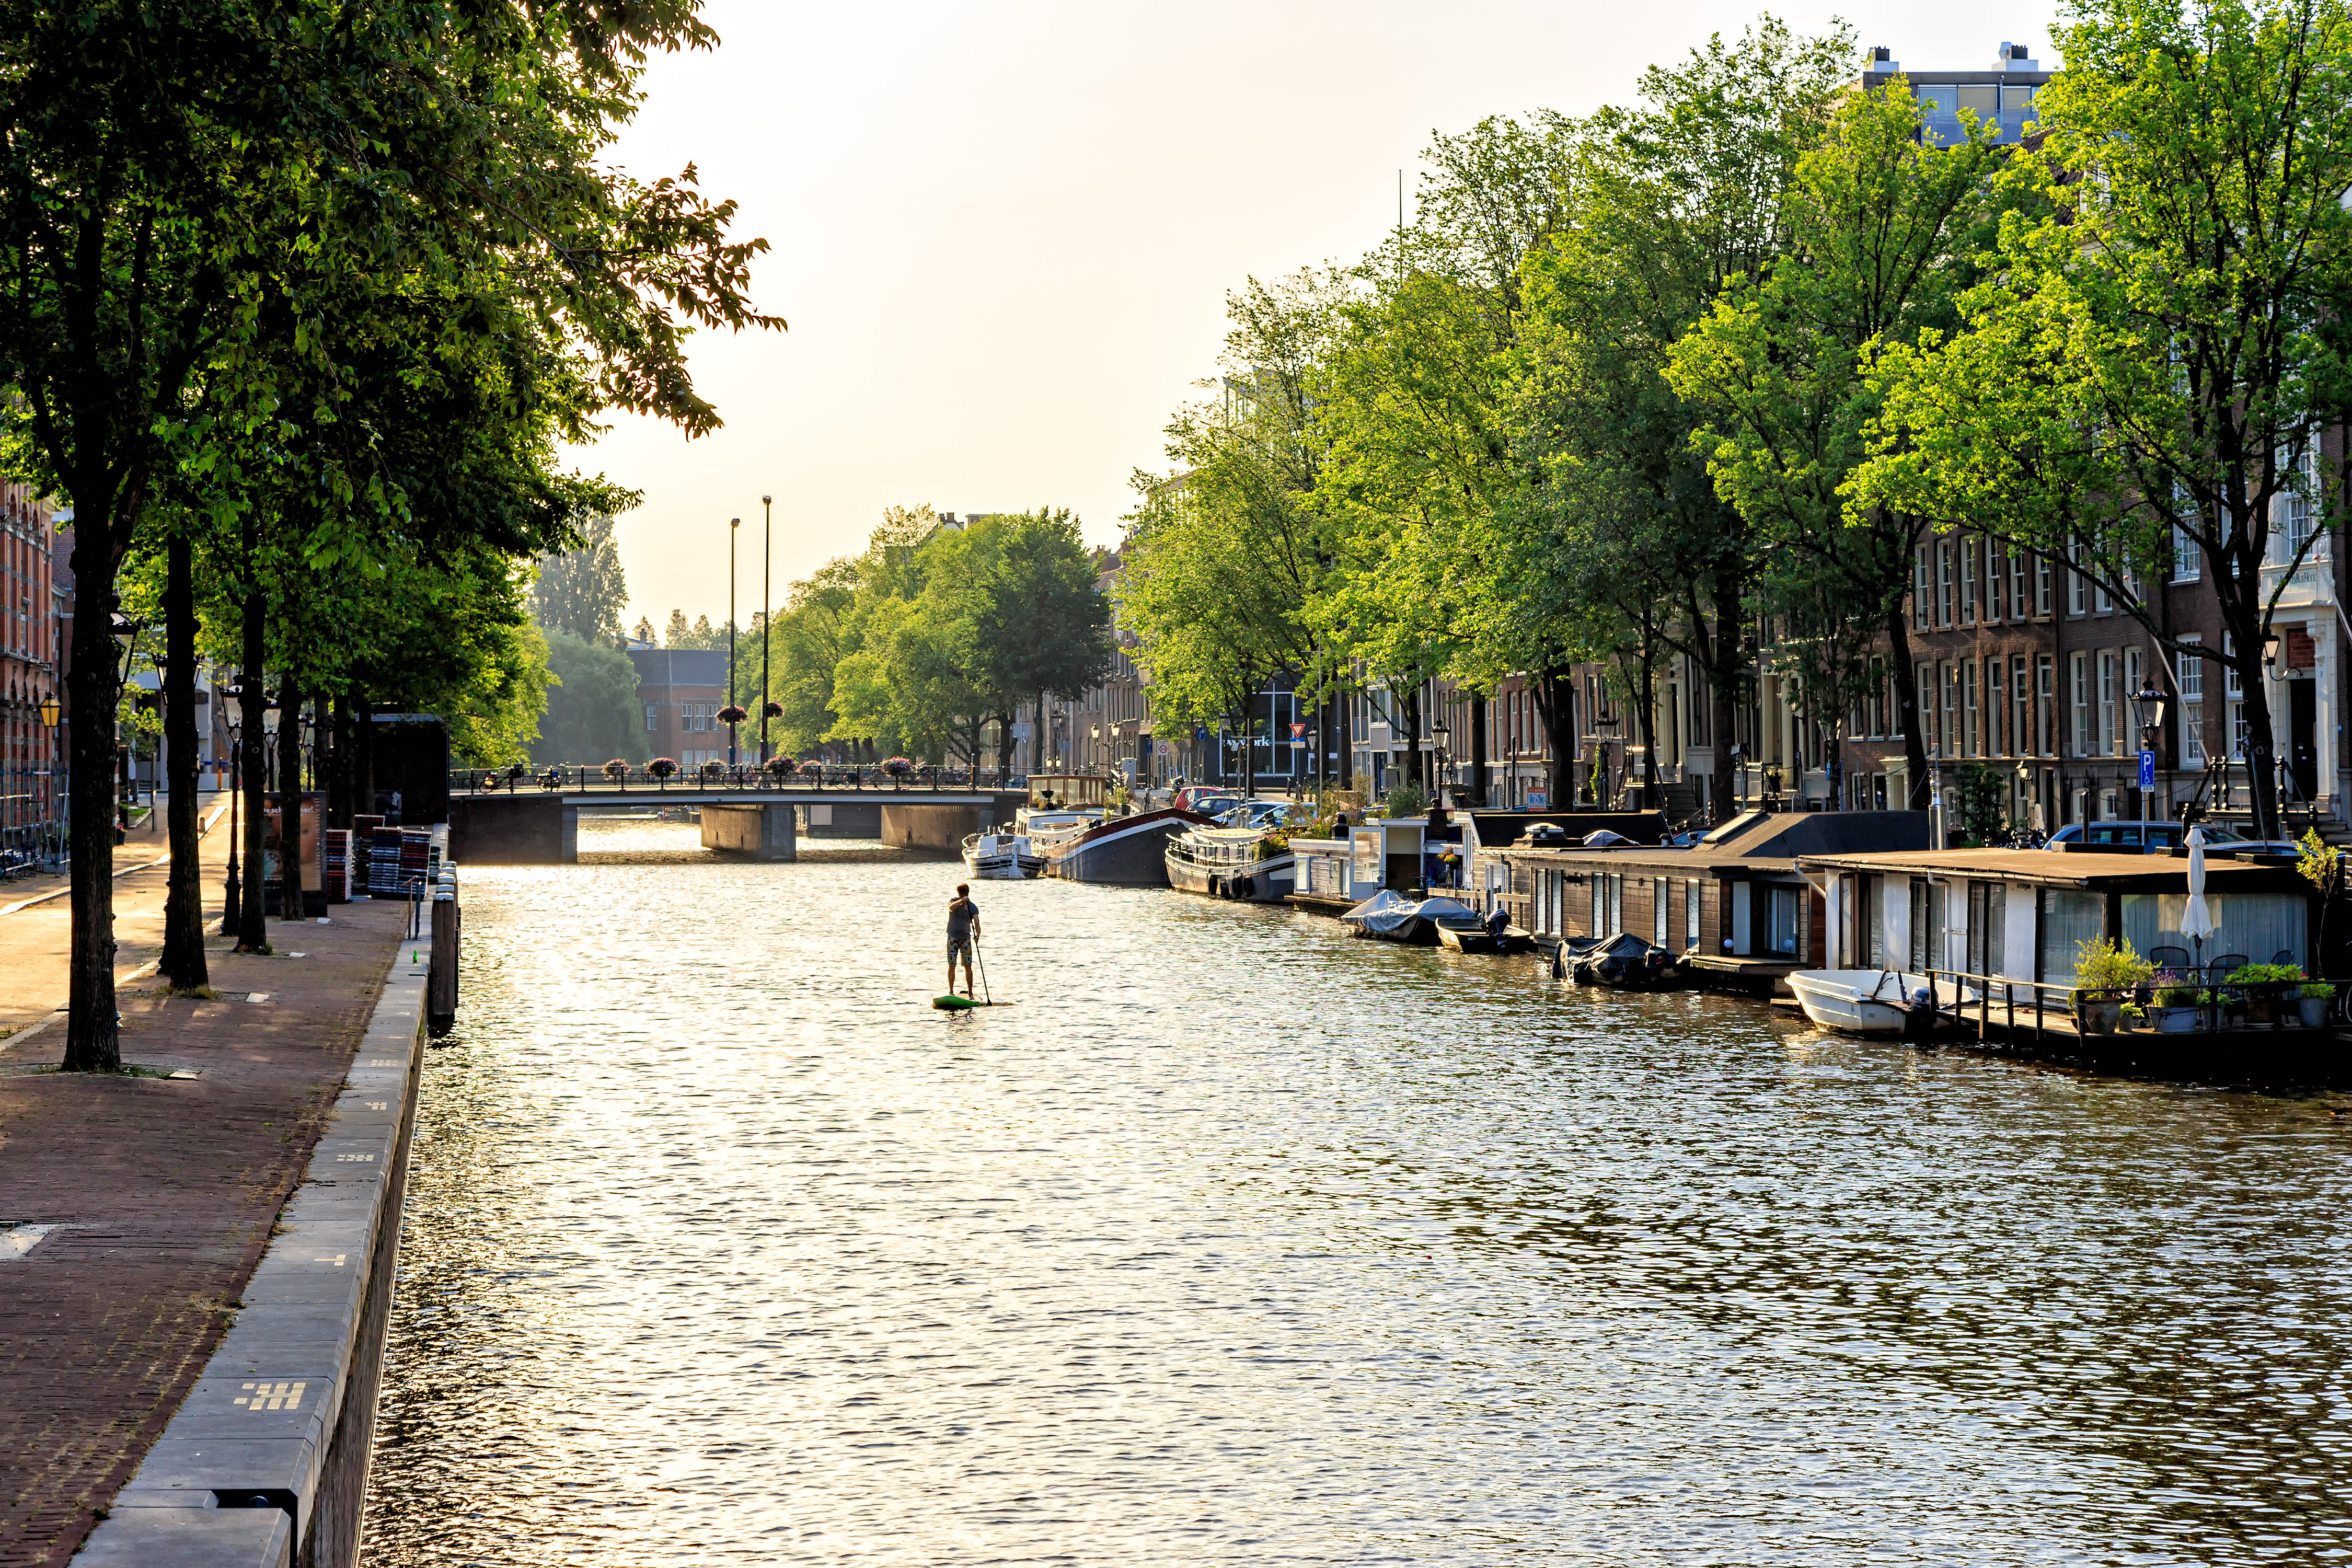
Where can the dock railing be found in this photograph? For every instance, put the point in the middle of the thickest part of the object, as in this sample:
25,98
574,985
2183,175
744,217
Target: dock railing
746,778
2221,1004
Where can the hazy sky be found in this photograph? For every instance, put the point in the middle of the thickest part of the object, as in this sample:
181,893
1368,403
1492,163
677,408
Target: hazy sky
1002,233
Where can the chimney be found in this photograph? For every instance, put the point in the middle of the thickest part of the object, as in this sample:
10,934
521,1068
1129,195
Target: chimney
1881,62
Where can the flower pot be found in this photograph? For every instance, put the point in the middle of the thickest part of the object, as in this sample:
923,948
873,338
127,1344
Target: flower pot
2262,1011
2098,1018
2176,1020
2314,1011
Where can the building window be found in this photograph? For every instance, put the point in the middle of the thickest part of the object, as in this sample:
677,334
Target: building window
653,718
1661,909
1996,710
2233,700
2187,560
2110,709
2292,511
2079,683
1968,582
1923,589
1970,738
2132,684
1690,915
2041,586
1996,582
1943,581
2045,679
2077,585
2189,672
1923,692
2020,718
1785,910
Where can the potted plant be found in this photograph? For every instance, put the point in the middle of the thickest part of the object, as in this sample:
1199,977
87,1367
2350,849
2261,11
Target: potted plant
732,714
2265,990
898,768
2174,1010
782,766
2316,995
661,768
2105,972
617,771
714,770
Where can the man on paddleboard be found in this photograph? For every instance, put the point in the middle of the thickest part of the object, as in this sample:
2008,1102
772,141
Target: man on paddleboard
963,924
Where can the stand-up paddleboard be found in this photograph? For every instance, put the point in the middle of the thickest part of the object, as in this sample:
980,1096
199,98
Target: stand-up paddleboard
965,1004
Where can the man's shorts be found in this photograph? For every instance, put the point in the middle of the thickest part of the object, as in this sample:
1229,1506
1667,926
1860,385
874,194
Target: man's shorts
958,945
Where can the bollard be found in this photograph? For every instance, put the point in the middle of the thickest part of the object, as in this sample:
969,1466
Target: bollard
441,971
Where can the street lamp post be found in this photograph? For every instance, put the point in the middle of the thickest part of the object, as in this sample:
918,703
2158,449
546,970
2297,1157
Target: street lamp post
1439,733
2149,704
767,549
734,526
51,711
1604,728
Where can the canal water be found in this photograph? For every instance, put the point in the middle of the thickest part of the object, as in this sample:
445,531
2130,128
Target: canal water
1231,1241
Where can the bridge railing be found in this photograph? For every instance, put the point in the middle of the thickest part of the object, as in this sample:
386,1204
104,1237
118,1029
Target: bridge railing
743,778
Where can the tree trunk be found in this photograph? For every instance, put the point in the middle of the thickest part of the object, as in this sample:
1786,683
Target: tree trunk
1907,704
252,765
93,1040
339,771
289,798
363,753
1481,782
1651,795
1555,699
1416,763
183,962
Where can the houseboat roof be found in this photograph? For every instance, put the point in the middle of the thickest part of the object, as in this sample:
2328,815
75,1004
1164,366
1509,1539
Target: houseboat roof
1759,841
2055,869
1498,829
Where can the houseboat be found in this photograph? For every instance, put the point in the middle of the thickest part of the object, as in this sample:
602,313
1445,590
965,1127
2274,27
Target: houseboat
1994,936
1000,857
1245,863
1123,851
1734,907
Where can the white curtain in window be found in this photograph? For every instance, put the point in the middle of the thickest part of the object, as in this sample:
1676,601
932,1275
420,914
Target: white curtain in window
2068,920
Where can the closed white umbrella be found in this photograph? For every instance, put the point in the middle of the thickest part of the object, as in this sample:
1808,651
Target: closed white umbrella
2196,923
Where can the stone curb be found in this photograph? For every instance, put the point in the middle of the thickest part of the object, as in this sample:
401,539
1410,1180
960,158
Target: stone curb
265,1462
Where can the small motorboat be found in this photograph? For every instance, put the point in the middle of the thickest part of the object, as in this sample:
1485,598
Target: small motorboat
1390,916
1858,1001
1471,934
1629,963
1000,857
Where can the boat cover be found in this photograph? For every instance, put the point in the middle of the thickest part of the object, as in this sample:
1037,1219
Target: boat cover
1389,911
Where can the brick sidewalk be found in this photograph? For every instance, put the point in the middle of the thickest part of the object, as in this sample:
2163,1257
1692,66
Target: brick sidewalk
165,1192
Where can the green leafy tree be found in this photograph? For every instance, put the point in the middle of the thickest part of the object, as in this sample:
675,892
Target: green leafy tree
582,590
1041,623
2157,345
592,713
1780,371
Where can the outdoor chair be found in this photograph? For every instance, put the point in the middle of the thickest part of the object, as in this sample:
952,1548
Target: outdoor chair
2284,955
2169,957
2228,964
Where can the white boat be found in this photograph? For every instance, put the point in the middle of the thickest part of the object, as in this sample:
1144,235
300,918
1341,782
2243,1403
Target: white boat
1856,1001
1000,857
1388,916
1246,863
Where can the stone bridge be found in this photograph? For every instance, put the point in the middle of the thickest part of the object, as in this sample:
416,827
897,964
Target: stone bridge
532,827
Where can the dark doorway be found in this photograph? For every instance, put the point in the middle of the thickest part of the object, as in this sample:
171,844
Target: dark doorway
2302,745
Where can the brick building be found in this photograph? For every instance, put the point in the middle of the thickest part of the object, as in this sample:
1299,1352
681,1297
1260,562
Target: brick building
679,693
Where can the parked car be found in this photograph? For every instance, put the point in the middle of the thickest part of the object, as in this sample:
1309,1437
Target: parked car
2163,837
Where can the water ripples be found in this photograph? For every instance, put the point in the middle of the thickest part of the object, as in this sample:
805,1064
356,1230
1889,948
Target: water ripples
1232,1241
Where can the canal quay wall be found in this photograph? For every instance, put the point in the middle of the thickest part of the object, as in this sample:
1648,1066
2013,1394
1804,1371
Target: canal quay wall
196,1257
265,1462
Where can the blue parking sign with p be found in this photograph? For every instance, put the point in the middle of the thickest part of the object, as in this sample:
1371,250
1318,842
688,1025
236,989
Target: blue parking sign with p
2148,770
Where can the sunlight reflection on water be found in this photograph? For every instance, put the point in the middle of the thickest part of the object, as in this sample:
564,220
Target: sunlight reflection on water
1232,1241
